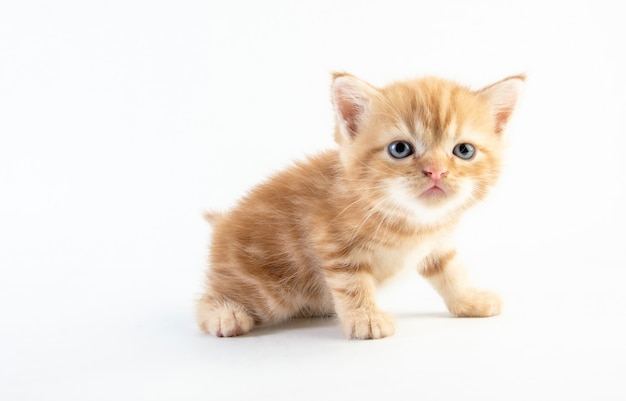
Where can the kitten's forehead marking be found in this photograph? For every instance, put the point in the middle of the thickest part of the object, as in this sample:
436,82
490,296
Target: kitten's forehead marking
435,114
428,113
431,137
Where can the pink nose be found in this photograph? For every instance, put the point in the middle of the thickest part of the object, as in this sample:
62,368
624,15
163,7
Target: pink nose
435,173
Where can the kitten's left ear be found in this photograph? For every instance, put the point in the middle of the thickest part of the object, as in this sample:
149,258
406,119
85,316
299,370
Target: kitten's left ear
351,100
502,97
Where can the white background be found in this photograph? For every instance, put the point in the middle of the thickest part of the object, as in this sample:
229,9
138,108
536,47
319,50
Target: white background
120,121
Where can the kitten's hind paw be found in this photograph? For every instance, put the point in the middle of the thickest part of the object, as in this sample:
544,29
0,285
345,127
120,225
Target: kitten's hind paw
367,325
475,303
226,319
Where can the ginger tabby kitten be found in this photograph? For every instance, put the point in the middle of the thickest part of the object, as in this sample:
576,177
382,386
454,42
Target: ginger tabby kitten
317,238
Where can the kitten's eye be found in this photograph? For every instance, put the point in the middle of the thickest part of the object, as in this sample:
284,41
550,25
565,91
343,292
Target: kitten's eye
400,149
464,150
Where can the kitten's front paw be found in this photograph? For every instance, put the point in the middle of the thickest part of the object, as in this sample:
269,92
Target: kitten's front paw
475,303
224,320
367,325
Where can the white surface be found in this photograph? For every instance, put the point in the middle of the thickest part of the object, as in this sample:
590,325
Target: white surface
120,121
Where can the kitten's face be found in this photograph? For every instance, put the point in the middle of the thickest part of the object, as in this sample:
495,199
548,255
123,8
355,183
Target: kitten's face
427,148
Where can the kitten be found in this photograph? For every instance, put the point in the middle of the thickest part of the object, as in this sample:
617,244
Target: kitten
317,238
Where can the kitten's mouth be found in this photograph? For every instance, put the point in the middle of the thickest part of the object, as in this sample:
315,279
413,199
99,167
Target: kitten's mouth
433,192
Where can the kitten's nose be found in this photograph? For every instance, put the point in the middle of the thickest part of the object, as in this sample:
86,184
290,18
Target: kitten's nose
435,173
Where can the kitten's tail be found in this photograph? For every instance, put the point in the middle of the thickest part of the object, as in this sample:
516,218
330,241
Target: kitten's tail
211,216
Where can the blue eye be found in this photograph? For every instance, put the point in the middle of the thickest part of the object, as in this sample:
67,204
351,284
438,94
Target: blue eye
464,151
400,149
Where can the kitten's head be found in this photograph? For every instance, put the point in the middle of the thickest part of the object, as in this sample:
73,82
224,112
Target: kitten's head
427,147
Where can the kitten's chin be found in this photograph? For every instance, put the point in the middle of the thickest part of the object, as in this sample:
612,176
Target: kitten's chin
431,206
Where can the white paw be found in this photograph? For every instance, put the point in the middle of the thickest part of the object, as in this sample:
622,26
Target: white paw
366,325
475,303
224,320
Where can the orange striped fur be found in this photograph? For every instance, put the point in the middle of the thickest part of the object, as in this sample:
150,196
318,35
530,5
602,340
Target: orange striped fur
317,238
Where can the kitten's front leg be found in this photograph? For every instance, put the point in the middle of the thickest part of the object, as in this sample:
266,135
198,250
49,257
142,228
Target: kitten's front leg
353,292
447,275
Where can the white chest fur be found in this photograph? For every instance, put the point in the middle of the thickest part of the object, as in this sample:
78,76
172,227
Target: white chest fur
388,262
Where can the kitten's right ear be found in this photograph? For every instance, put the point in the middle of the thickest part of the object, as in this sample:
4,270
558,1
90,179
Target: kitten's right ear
351,100
503,96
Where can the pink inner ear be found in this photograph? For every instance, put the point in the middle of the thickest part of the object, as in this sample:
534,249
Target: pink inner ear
502,117
503,98
349,110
